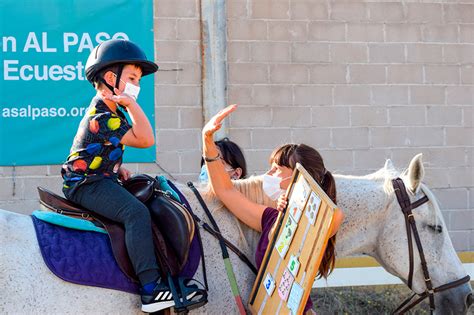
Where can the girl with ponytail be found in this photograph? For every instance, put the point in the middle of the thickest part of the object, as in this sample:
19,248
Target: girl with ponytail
290,154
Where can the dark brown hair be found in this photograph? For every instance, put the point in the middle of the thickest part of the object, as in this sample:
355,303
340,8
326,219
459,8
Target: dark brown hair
290,154
232,155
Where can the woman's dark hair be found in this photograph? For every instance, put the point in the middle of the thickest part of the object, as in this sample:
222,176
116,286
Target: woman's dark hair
290,154
232,155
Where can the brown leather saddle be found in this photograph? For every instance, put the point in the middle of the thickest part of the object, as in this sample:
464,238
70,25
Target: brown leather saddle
173,226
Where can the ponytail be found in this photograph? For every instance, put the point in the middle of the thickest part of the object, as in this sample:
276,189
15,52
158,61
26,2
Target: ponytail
329,258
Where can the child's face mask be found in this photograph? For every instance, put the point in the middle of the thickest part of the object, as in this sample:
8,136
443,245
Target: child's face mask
130,89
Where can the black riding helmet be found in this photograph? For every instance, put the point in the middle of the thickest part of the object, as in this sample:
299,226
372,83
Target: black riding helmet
116,52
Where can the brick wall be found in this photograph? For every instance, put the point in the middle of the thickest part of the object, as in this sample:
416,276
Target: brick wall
360,81
178,104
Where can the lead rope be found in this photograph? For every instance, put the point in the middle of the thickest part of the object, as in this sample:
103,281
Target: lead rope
225,253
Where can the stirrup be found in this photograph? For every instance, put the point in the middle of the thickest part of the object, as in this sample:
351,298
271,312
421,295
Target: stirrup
190,295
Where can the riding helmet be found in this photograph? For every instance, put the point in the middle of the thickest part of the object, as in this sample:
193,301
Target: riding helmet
117,51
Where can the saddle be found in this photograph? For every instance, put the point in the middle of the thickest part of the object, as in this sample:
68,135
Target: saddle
172,225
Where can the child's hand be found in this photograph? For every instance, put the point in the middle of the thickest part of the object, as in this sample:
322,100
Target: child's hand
120,98
124,174
282,202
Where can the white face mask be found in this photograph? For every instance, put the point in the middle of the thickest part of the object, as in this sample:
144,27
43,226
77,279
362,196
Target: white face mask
131,90
271,186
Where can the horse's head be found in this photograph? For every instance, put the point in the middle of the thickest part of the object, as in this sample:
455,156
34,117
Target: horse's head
442,261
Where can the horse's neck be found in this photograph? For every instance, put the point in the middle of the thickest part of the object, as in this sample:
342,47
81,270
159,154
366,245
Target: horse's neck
362,200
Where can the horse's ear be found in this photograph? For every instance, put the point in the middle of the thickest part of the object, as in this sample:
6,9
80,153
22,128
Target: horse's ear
388,165
415,173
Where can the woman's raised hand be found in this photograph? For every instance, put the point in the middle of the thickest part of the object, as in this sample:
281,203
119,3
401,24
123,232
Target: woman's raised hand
215,123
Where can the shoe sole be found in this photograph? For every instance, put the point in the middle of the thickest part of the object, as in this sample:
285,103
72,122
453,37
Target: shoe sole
157,306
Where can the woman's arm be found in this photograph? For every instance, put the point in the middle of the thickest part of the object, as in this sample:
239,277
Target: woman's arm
247,211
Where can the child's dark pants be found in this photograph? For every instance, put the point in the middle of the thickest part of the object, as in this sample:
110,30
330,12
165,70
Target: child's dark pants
107,198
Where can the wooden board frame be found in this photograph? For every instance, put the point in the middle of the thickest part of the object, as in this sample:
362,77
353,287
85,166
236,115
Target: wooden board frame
308,243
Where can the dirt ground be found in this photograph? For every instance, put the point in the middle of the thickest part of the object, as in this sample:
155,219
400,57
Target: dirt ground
365,300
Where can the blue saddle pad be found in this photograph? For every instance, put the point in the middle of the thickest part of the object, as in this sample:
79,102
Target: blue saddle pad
69,222
82,257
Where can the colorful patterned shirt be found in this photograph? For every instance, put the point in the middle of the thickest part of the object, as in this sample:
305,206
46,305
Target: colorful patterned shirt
96,151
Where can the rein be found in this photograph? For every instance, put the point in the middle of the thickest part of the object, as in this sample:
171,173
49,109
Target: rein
225,253
407,207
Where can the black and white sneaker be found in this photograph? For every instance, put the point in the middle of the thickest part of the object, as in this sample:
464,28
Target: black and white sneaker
161,298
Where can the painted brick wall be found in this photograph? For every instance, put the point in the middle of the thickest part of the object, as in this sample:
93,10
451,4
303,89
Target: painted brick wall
360,81
178,114
178,100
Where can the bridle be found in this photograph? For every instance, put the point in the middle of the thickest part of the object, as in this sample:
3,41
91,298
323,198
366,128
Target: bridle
407,207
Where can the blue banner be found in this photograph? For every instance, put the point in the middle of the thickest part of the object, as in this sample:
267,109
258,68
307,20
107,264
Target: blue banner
43,89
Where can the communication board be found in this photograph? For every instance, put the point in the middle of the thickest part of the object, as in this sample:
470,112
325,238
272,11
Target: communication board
295,250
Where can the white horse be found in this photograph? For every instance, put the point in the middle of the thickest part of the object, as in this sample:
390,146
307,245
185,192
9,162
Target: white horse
374,226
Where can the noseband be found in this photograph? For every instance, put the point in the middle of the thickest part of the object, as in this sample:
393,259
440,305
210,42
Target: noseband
407,207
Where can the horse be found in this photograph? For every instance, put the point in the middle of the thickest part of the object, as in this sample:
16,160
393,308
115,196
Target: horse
374,225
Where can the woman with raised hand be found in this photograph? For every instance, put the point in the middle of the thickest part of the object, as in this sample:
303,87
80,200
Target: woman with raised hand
275,182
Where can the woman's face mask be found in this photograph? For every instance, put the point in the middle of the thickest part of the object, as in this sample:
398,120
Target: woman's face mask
271,186
204,177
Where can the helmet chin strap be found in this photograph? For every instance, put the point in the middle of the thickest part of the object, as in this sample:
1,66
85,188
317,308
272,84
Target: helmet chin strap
117,82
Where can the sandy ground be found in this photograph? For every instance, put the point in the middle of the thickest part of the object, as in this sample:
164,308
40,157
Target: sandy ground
365,300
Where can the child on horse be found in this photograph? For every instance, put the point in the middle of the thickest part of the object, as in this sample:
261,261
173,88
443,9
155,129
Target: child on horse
93,168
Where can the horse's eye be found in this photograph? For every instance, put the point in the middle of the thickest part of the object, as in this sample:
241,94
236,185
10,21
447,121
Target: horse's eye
436,228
